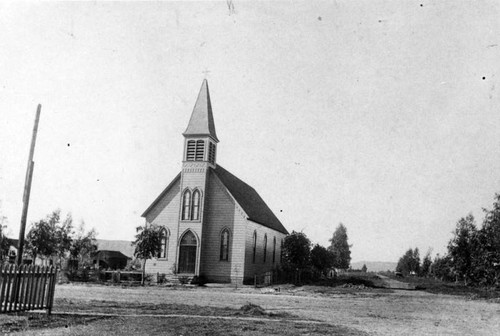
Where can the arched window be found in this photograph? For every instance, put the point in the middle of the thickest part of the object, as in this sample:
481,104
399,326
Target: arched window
164,244
188,239
254,245
274,250
224,245
195,209
186,204
265,248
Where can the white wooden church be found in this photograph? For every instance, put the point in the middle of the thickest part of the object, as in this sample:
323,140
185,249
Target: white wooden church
214,224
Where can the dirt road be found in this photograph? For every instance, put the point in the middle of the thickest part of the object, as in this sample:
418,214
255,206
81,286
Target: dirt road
376,312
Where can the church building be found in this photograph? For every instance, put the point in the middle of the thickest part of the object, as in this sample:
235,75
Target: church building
214,225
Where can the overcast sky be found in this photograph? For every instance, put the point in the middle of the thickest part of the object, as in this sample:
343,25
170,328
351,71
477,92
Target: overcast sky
382,115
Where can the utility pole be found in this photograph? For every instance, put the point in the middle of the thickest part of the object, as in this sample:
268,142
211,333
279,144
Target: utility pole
27,189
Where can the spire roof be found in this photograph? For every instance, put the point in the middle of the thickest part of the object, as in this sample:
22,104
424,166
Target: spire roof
202,119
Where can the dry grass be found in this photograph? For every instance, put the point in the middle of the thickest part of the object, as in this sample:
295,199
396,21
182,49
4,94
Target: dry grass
137,319
188,326
436,286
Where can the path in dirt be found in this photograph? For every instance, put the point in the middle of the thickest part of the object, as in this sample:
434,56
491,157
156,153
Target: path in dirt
376,312
394,284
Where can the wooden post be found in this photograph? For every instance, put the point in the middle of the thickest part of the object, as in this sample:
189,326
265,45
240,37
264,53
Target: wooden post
27,189
51,290
3,283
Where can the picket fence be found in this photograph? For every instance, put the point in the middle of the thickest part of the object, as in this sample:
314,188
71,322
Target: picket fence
27,287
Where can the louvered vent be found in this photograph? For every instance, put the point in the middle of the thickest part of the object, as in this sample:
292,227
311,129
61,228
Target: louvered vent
211,153
191,149
200,150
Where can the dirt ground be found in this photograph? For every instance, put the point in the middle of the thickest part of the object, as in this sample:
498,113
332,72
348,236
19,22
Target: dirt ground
359,311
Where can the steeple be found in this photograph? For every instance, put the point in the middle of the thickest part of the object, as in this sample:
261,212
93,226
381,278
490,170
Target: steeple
202,119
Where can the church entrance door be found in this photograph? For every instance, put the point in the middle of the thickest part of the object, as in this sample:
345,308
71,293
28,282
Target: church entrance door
187,253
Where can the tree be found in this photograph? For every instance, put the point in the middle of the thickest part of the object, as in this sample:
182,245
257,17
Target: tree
364,268
486,256
409,263
321,259
4,241
461,248
426,264
296,251
415,261
41,239
441,268
63,237
340,247
83,244
147,244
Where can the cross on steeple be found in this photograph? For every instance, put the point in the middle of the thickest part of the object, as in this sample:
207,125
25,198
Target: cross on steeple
206,72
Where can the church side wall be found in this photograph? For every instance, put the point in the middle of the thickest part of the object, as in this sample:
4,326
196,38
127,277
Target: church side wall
219,214
166,214
259,266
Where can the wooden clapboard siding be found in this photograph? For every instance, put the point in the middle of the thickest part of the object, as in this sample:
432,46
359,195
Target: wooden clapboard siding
194,176
166,214
219,214
259,266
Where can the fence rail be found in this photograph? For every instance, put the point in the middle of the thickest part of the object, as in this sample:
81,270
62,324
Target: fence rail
27,288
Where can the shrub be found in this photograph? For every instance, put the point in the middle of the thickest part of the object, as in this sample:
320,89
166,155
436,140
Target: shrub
184,280
199,280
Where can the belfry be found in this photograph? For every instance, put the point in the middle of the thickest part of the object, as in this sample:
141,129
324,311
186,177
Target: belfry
214,225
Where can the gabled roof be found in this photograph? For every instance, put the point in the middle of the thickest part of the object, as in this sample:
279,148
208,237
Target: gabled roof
202,119
123,246
105,254
158,199
246,196
251,202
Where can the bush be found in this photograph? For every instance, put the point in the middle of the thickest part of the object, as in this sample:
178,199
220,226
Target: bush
199,280
78,275
184,280
161,278
115,277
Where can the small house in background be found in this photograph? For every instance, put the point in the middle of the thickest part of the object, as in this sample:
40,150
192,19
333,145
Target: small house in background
113,254
110,259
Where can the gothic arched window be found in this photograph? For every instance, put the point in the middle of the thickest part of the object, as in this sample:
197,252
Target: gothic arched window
164,244
195,209
224,245
186,204
265,247
254,245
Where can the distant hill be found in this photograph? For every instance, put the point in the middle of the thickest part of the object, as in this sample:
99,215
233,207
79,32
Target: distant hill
375,266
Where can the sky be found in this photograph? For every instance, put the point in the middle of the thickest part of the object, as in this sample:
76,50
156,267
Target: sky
381,115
